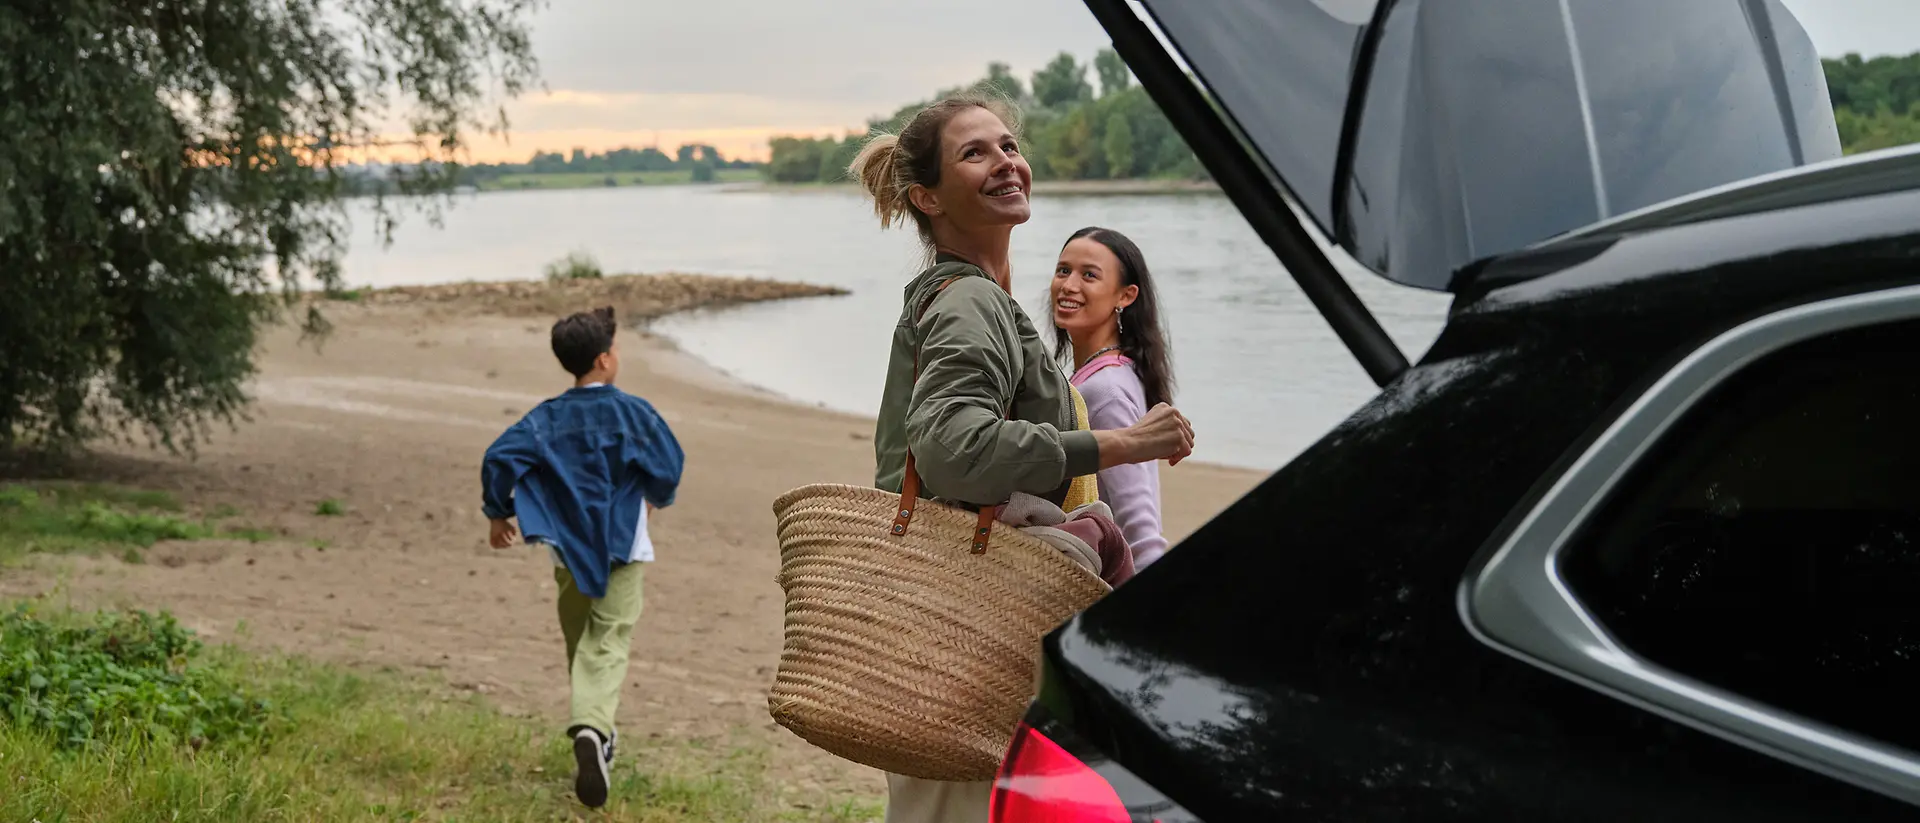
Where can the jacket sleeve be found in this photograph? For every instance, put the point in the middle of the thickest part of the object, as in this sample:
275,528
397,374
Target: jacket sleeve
970,361
654,453
510,457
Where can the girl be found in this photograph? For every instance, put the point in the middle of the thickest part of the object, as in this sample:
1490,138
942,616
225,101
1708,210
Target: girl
1106,320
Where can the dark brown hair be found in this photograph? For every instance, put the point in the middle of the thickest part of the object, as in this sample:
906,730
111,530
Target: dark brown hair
579,339
889,165
1142,339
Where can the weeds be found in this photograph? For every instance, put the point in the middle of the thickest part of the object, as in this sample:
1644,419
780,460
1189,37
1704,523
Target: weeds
330,508
128,677
577,265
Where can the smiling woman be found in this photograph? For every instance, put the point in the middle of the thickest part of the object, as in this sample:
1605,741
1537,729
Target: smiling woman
974,412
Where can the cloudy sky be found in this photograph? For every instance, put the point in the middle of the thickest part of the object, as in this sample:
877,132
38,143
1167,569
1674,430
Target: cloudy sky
733,72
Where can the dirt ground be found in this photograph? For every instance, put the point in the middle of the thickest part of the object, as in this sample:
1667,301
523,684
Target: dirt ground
390,417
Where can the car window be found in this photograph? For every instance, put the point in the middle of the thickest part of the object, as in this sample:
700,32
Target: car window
1769,543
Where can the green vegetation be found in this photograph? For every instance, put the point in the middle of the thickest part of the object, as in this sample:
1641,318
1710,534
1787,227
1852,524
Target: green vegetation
619,167
577,265
135,721
62,518
128,678
330,508
1069,132
175,174
590,180
1876,103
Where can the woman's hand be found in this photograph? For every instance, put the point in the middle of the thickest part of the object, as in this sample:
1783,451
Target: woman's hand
1162,434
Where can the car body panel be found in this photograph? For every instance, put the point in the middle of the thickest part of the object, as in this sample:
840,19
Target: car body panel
1302,656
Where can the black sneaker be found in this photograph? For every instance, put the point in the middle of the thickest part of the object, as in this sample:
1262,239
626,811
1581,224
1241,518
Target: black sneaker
590,756
612,738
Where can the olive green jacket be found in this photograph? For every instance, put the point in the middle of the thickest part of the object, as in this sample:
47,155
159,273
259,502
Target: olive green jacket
978,351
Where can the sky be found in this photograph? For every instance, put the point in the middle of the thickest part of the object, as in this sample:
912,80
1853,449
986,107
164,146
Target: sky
732,73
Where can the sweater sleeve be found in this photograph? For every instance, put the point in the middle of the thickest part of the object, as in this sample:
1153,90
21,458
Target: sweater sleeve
1115,400
969,363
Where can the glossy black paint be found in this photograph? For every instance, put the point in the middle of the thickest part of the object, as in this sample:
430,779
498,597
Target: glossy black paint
1302,657
1424,135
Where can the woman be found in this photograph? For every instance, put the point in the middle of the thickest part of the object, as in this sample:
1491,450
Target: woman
990,413
1106,320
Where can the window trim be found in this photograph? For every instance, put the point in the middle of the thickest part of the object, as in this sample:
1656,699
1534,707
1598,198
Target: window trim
1518,602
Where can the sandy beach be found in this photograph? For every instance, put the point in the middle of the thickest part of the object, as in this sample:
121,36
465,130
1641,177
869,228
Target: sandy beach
390,417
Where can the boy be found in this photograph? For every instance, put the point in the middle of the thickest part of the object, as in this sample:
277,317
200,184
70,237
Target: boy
582,472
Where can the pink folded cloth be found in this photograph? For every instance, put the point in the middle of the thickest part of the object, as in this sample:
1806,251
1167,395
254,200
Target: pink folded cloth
1104,535
1087,536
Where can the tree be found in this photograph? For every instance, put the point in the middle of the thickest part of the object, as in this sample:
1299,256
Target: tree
1069,145
1000,79
1061,82
1112,72
173,173
1119,146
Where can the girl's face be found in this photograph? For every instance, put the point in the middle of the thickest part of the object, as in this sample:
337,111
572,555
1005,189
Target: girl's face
1089,288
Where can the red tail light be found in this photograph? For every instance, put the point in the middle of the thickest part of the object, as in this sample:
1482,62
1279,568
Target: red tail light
1040,782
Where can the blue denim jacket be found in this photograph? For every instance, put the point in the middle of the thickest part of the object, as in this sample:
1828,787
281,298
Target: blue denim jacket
577,471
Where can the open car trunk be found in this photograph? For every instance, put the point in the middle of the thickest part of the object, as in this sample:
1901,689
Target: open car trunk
1423,137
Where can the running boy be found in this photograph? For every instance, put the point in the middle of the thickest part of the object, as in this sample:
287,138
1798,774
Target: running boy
582,472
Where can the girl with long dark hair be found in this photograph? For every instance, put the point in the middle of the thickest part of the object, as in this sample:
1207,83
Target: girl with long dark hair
1106,319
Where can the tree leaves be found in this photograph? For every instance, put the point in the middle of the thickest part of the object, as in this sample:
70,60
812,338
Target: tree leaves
172,179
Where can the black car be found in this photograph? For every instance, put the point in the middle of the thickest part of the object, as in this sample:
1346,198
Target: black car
1638,539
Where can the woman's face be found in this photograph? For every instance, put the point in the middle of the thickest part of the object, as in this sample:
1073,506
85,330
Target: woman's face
1089,288
984,180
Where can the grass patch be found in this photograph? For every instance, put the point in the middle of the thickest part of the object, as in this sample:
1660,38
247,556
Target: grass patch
58,518
313,742
344,295
65,518
330,508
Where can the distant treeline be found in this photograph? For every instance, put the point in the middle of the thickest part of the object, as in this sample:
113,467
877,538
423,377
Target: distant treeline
1876,103
701,160
1071,133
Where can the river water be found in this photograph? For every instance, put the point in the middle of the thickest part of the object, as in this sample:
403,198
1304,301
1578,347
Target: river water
1260,373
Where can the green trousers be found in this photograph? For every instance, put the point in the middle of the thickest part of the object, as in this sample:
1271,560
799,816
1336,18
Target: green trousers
599,636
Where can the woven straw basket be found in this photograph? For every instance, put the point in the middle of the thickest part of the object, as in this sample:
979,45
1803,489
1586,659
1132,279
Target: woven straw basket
904,650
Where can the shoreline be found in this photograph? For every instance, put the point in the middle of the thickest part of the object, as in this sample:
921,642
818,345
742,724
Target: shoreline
690,292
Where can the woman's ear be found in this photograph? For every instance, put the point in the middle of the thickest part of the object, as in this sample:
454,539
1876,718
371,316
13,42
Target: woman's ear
1128,295
924,199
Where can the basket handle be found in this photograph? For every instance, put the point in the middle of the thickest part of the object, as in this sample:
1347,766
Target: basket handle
910,483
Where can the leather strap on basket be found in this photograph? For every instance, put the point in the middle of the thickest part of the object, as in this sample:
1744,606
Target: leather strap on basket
910,483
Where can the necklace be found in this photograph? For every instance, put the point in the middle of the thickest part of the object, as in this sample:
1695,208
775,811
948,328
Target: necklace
1090,357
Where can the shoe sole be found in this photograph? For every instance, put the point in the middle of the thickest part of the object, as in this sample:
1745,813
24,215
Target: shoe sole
590,783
